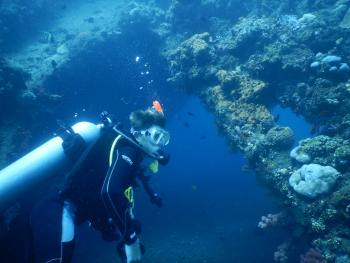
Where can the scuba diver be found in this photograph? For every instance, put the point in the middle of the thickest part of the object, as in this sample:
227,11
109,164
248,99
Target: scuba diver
99,189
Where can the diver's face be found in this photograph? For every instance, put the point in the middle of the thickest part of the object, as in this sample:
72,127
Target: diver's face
158,136
153,138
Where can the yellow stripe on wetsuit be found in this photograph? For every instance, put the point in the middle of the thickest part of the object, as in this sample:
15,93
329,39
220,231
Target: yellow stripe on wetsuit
129,192
111,152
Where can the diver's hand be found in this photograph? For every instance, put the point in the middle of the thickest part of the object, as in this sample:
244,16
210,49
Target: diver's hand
121,250
157,200
133,252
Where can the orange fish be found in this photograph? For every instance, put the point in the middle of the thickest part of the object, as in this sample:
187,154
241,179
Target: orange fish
157,106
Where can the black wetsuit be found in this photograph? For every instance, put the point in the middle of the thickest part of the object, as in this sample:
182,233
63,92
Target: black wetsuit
97,191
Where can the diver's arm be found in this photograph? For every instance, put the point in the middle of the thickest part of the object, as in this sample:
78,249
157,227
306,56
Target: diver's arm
154,197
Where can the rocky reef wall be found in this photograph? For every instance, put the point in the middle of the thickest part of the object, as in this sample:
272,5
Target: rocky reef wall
295,55
22,19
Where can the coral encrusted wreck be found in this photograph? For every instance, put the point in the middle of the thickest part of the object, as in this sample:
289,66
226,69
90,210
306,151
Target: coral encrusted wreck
295,54
313,179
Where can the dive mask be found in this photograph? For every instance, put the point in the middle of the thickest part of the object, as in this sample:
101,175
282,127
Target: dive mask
157,136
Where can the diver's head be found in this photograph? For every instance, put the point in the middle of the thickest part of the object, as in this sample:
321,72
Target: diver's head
147,126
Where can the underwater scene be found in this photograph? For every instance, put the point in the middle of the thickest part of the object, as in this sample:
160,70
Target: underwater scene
175,131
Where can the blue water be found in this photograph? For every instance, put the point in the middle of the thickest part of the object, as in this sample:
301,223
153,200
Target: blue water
207,194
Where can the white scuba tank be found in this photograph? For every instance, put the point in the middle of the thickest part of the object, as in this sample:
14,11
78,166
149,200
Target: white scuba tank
40,164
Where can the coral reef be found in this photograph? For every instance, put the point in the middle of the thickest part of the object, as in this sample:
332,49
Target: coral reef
330,65
13,99
313,179
298,59
192,17
324,150
138,17
239,86
279,138
271,220
191,62
312,256
281,254
20,20
299,155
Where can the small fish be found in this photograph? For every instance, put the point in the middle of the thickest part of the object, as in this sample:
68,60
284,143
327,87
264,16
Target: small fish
191,114
258,232
245,168
89,20
186,124
54,64
276,118
203,137
122,99
204,19
313,129
324,113
61,124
